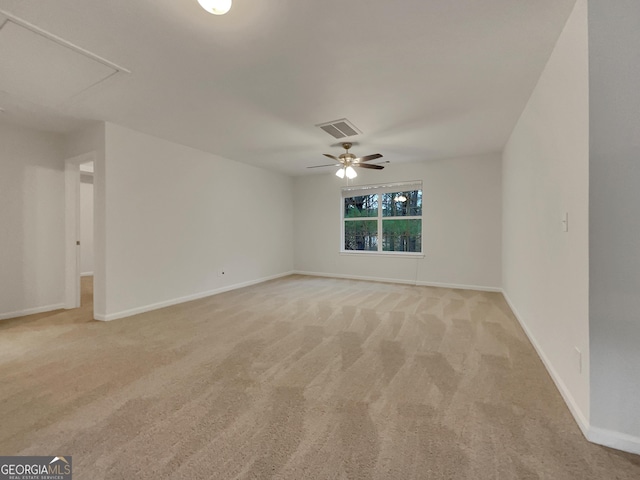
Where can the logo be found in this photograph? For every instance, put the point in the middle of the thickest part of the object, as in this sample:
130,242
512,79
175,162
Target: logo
35,468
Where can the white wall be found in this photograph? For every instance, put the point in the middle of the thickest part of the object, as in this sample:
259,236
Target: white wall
545,174
86,224
614,57
176,215
31,221
461,224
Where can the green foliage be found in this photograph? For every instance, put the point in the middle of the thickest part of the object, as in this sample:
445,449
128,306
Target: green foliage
364,206
402,235
412,206
398,235
361,235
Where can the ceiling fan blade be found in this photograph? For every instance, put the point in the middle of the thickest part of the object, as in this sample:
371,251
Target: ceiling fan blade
328,165
331,156
366,158
368,165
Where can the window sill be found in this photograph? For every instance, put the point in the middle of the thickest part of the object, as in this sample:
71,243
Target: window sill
382,254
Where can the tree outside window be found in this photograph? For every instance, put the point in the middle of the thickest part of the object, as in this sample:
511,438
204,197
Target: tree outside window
387,218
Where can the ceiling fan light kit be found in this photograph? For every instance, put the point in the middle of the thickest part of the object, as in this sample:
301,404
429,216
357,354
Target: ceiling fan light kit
348,171
216,7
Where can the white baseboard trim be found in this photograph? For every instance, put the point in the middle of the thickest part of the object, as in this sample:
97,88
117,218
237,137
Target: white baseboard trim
457,286
87,274
354,277
607,438
617,440
601,436
400,281
578,416
188,298
31,311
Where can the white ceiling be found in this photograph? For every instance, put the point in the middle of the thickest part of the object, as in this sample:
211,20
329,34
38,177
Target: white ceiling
422,79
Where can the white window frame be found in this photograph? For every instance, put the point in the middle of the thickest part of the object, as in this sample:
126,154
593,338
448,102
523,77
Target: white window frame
355,191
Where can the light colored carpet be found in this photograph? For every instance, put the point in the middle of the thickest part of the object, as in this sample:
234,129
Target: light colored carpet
298,378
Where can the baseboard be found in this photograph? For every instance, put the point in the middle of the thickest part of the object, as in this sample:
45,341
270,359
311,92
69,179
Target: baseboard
458,286
400,281
578,416
87,274
31,311
188,298
354,277
617,440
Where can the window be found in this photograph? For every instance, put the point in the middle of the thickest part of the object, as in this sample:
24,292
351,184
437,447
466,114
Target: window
382,218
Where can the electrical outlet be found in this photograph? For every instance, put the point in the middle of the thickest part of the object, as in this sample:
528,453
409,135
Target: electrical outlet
578,356
221,272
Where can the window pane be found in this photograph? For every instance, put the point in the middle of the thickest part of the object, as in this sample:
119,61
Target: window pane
402,204
365,206
361,235
402,235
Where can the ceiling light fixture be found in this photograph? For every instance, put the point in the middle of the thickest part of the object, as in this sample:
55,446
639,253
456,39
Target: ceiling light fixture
349,171
217,7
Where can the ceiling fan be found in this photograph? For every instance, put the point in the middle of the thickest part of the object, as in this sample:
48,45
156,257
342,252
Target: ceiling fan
348,160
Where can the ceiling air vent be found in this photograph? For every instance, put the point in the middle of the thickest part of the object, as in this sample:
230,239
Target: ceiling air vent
340,128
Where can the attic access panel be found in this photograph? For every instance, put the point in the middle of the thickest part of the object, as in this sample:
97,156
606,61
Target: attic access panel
45,69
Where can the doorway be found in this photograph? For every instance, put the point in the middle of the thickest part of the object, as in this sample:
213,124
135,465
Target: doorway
79,214
86,234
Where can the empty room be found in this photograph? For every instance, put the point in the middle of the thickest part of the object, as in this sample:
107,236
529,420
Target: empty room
356,239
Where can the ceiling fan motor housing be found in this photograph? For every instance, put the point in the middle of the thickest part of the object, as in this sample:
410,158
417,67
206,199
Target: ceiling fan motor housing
347,157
